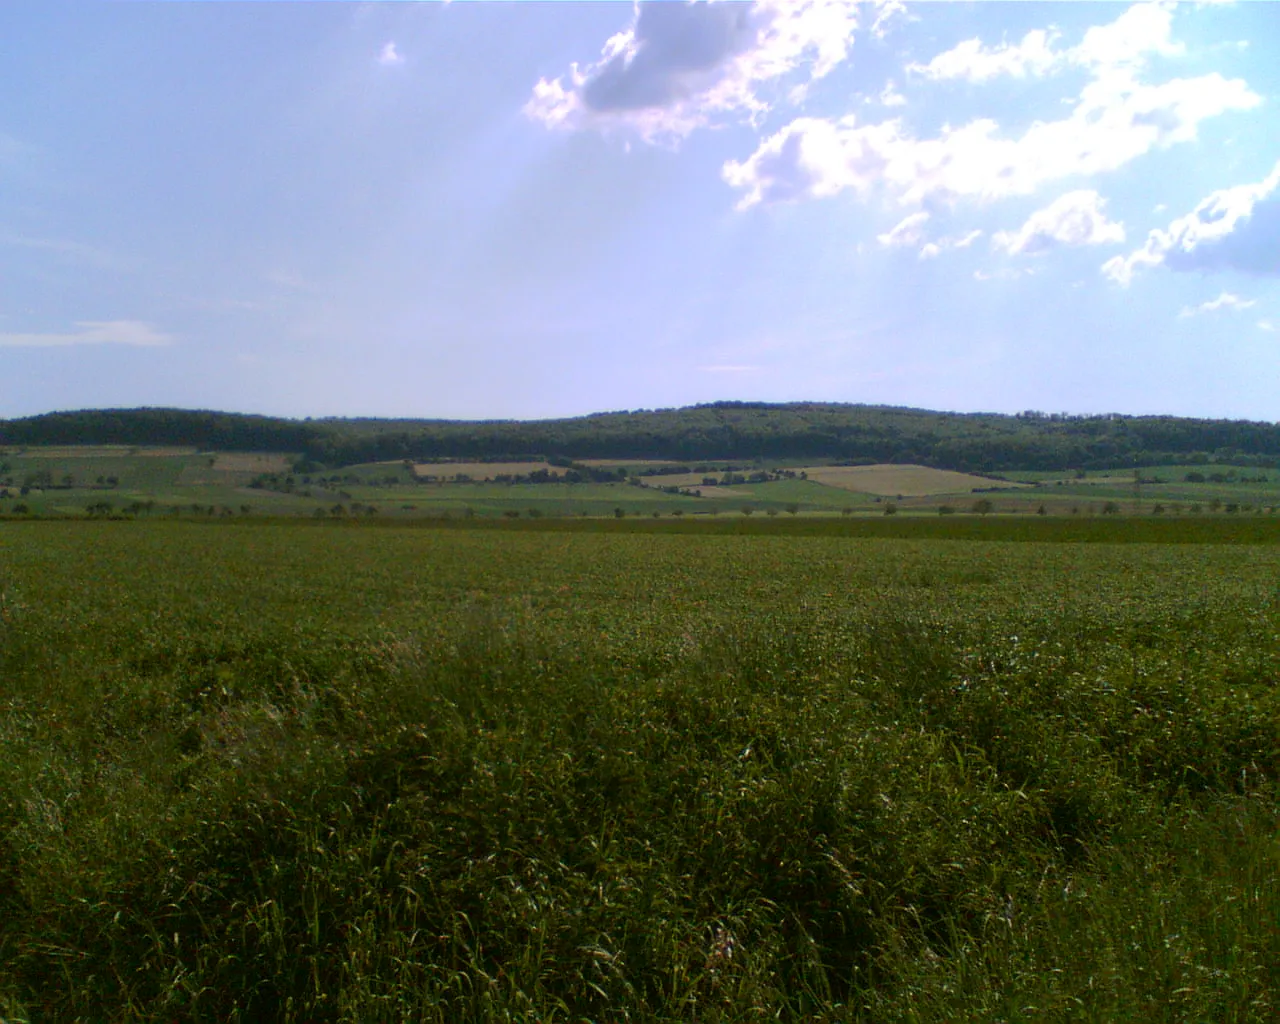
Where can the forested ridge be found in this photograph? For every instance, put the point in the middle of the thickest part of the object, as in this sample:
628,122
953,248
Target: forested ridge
984,442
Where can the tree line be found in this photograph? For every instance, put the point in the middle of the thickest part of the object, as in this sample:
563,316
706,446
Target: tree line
975,442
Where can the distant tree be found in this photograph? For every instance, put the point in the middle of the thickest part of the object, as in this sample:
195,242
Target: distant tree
793,508
983,506
619,513
946,510
1042,511
890,508
1111,508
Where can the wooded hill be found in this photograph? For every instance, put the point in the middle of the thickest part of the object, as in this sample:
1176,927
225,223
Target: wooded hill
982,442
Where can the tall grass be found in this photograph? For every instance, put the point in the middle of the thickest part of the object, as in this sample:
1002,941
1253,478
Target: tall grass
608,779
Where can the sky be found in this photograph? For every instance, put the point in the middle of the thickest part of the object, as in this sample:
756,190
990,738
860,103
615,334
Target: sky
528,210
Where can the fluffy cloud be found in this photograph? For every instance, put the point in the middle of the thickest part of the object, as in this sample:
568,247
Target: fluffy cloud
92,332
1074,219
1124,44
389,56
908,232
1232,229
1115,120
887,14
679,66
1224,301
978,63
1145,28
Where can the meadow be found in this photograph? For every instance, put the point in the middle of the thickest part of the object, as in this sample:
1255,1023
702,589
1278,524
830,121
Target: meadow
637,770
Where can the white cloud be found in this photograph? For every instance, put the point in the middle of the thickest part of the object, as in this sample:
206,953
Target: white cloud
975,62
1145,28
389,55
92,332
888,13
1232,229
890,97
1074,219
681,66
907,232
1122,45
932,250
1114,121
1224,301
1267,325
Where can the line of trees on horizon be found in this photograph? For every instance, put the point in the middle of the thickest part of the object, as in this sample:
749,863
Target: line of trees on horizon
973,442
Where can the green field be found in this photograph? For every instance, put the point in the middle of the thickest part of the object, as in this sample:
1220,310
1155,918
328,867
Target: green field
890,769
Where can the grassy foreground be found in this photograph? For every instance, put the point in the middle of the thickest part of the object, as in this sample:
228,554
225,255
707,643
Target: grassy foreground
309,773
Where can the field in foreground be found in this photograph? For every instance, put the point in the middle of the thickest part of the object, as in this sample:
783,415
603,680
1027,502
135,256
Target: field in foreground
257,771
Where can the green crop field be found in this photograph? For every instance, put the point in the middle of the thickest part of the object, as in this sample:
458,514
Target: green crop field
892,769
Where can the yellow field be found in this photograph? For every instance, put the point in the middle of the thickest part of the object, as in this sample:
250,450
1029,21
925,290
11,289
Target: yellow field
908,481
482,470
250,462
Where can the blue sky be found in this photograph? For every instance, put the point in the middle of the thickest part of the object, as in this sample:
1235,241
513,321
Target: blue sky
543,209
